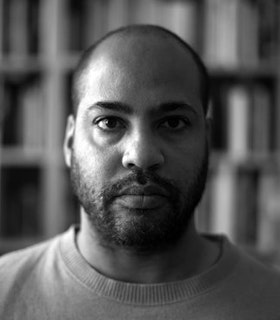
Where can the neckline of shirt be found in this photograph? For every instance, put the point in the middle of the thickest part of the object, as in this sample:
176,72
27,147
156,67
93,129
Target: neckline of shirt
146,294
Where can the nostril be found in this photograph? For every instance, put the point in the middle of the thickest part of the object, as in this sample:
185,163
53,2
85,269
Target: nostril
142,153
154,167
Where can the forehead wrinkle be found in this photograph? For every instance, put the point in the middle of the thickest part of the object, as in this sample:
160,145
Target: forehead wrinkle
171,106
156,110
113,106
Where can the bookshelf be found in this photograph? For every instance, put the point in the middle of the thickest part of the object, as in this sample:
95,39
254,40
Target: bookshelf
239,40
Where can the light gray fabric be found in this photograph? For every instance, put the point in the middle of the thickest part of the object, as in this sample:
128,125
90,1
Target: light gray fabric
53,281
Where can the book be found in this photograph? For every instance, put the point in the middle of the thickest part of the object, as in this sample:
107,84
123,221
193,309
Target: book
95,21
15,33
231,33
268,232
10,109
19,34
19,213
248,34
33,17
180,16
203,211
117,14
144,12
219,117
1,28
221,32
246,208
269,13
24,114
223,201
32,119
238,113
261,121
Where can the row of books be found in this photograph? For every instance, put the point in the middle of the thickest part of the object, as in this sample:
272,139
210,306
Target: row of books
240,32
20,200
244,204
19,27
243,119
89,20
23,113
226,32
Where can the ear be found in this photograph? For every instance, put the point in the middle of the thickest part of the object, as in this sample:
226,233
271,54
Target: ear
68,140
208,124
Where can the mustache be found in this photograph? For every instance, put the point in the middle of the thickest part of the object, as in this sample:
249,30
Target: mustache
140,180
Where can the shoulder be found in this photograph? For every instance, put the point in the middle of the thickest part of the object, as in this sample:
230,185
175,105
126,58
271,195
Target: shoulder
249,268
17,266
254,287
26,255
249,289
260,275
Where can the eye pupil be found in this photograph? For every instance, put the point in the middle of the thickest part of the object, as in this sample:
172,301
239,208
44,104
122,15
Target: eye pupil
173,123
110,123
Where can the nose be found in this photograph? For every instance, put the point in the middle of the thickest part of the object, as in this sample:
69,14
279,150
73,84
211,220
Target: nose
142,150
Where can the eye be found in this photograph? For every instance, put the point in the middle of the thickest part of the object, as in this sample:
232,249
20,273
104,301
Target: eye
175,123
109,123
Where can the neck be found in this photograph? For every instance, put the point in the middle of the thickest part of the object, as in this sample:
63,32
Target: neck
192,255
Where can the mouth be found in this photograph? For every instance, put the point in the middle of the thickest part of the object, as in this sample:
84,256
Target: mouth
145,198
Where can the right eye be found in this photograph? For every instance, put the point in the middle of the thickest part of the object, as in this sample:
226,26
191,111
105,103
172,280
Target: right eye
109,124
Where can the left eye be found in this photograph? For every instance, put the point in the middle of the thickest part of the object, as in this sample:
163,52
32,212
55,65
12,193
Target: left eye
109,123
174,123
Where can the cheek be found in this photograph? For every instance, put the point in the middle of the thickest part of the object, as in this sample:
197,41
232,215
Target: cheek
100,164
186,159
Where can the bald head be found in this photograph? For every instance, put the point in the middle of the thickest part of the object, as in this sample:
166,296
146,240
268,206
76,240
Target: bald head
143,45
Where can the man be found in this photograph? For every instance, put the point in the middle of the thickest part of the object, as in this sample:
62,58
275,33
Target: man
137,149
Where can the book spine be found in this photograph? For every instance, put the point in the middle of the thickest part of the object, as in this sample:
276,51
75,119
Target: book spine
269,211
238,109
246,208
181,18
248,34
221,34
223,201
95,21
17,28
145,12
1,28
261,122
117,14
33,115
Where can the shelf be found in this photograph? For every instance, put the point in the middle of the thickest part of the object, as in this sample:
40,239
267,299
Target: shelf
17,156
40,44
252,160
11,244
21,64
267,70
37,64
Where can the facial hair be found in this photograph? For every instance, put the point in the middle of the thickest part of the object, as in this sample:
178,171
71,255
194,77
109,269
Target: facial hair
138,229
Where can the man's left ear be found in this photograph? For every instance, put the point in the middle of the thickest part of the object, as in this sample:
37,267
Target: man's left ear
68,140
208,123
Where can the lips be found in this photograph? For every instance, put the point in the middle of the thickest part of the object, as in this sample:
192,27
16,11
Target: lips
144,191
139,197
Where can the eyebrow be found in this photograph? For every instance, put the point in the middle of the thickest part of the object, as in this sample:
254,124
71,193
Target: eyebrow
127,109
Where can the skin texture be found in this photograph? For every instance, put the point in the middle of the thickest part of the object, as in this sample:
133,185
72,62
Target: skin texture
140,121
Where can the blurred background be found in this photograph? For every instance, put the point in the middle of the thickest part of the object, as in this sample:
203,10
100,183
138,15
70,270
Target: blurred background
40,42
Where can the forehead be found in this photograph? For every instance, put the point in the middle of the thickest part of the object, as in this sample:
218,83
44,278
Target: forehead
139,70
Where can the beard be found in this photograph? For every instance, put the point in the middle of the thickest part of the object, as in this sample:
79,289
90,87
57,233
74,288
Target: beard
140,230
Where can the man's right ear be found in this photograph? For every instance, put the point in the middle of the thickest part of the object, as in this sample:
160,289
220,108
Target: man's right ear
68,140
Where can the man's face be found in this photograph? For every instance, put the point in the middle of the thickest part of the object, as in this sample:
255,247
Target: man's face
139,155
